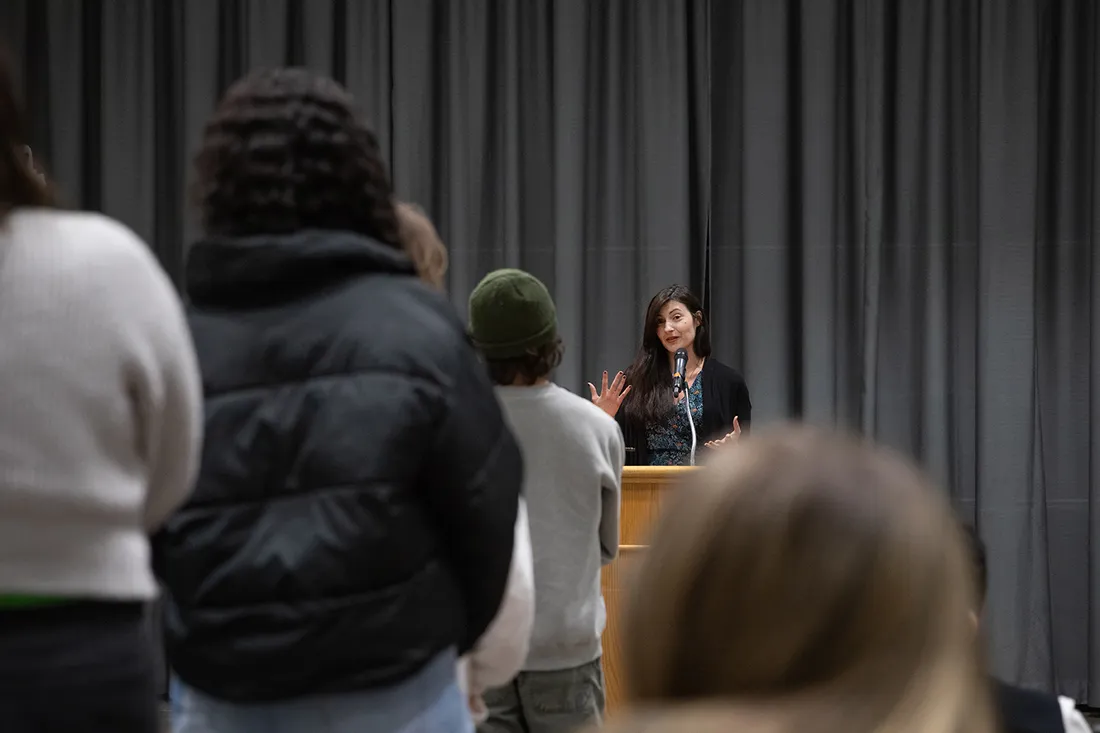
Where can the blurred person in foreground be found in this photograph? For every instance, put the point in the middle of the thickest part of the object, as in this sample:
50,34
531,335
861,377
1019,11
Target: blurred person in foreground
500,653
808,571
100,433
723,717
1022,710
422,244
574,456
351,531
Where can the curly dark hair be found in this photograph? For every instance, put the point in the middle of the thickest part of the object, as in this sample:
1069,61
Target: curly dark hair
529,368
286,151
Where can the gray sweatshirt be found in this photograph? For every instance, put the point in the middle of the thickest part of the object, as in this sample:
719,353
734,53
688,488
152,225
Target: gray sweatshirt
573,463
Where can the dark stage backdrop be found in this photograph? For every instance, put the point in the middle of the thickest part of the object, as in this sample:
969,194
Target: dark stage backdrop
891,207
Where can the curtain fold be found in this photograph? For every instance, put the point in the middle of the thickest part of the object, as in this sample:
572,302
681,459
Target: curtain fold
890,208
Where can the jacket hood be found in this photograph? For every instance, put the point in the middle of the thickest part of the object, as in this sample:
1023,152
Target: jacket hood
273,268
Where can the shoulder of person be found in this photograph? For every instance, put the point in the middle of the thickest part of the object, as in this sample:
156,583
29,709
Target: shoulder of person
84,231
723,372
1017,702
108,257
431,341
421,302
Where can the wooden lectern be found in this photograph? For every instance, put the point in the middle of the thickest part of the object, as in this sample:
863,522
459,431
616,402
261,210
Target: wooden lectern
643,489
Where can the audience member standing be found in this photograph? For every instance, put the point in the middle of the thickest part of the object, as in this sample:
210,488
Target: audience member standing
1022,710
352,527
813,573
100,419
422,244
574,456
501,651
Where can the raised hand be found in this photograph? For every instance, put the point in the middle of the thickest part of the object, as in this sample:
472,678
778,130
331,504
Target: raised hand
730,437
609,399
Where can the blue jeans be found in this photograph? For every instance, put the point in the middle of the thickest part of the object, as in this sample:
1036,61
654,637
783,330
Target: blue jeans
428,702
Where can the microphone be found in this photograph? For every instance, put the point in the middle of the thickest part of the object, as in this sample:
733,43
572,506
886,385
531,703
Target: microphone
681,363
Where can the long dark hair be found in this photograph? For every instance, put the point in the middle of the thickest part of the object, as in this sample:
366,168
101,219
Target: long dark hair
20,185
649,376
286,151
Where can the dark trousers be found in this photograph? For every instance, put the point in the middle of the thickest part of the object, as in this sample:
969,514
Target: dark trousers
562,701
78,668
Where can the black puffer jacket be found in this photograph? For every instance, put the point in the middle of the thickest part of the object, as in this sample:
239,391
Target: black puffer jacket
355,510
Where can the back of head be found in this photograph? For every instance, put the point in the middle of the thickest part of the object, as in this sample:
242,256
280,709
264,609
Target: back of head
806,568
423,245
285,151
514,324
725,717
20,184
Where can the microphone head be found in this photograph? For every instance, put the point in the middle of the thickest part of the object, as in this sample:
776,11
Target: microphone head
678,370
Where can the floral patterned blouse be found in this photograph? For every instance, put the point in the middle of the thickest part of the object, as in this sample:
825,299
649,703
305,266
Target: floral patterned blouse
669,443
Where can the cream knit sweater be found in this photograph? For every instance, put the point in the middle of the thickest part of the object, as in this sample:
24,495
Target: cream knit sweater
100,406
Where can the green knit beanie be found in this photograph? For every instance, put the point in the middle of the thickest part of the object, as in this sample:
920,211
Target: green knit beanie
511,312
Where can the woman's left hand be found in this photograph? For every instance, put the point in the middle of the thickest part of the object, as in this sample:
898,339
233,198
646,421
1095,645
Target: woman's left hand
730,437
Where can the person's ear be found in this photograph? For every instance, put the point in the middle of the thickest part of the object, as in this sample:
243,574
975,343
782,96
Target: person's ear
27,156
698,318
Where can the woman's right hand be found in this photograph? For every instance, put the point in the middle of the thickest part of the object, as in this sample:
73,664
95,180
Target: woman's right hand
609,399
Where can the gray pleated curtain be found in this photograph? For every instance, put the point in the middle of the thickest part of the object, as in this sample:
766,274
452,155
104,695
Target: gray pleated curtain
891,207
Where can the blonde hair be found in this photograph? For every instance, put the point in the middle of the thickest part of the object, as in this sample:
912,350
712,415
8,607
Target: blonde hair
422,243
714,717
817,572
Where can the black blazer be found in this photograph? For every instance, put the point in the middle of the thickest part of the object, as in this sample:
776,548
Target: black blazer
725,396
1027,711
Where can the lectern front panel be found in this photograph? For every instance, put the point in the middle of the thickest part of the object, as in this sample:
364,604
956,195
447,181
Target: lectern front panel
644,490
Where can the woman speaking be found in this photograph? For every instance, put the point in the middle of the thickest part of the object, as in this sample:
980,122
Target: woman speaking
674,365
